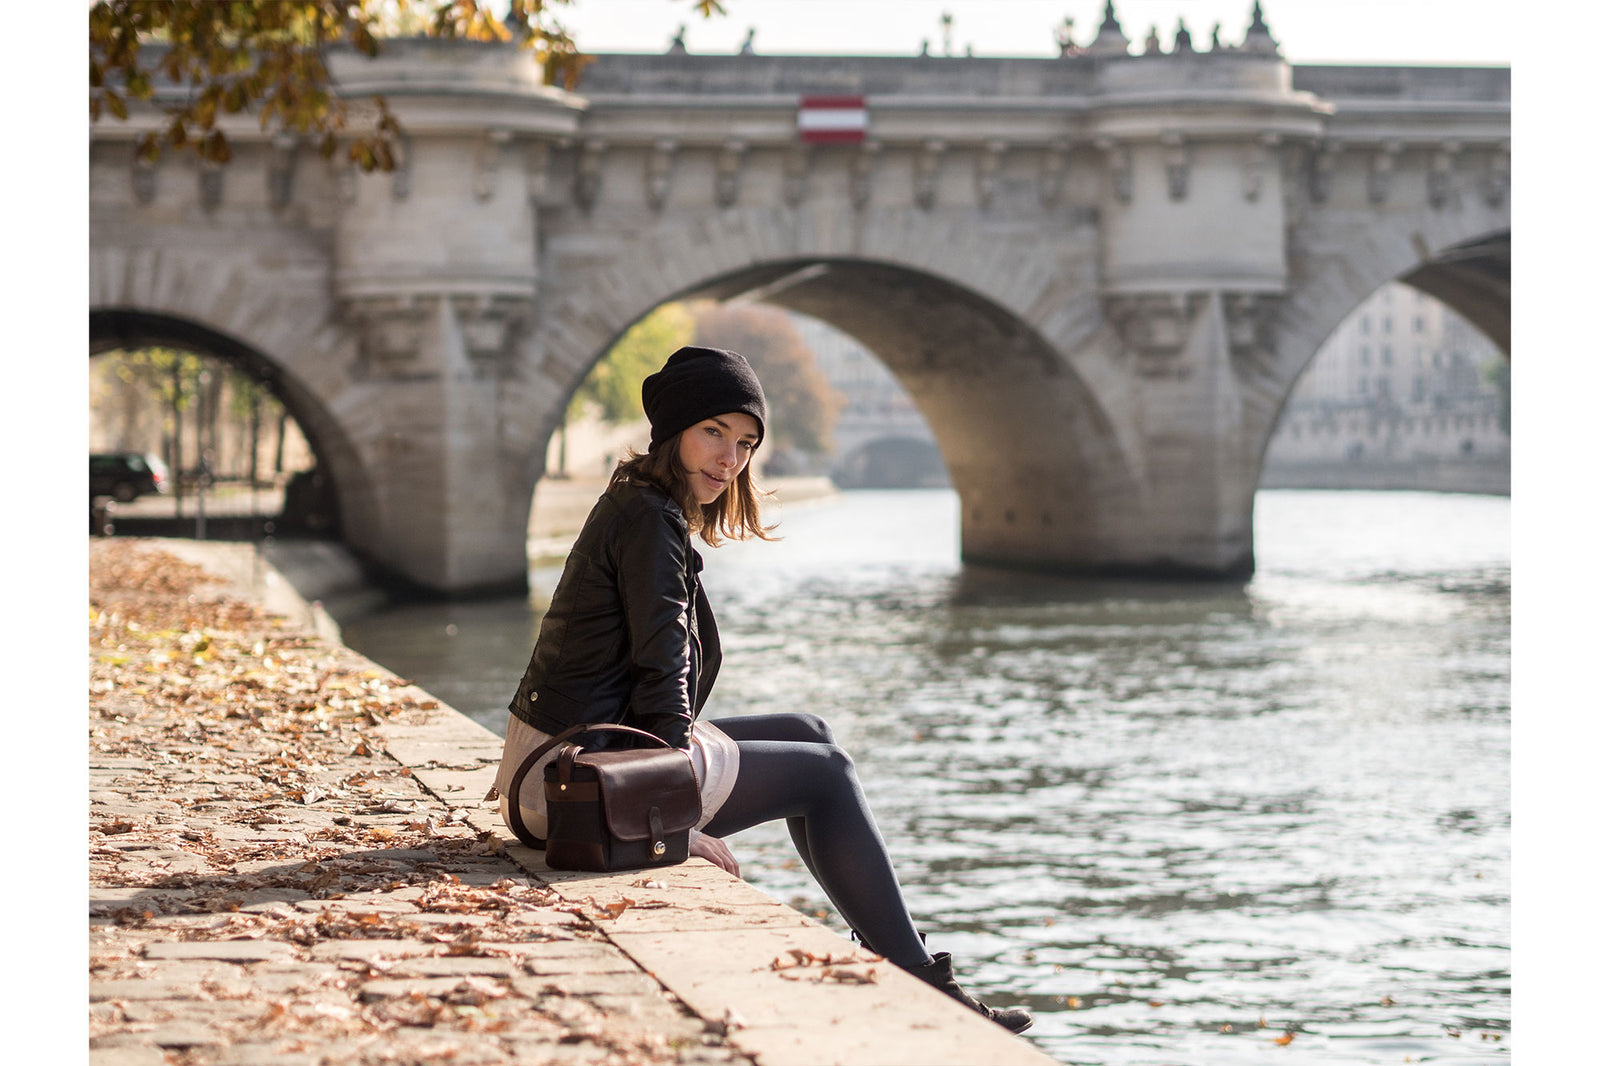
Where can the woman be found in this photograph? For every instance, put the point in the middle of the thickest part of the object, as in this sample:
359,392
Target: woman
629,639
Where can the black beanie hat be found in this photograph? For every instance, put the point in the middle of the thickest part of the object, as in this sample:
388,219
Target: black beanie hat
701,383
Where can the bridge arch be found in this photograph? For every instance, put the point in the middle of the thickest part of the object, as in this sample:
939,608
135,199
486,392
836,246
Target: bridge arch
891,461
1028,445
1462,257
337,457
1473,278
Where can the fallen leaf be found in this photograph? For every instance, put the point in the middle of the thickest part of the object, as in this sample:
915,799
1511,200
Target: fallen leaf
1283,1041
849,977
615,909
476,991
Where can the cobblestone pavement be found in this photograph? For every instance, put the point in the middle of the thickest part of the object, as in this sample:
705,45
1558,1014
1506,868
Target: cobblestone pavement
269,885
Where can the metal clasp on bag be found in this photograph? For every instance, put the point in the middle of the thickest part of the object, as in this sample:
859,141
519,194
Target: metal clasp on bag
658,846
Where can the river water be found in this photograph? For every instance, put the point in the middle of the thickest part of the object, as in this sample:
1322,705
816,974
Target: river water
1177,821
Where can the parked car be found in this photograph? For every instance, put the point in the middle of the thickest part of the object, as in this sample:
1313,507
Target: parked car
126,476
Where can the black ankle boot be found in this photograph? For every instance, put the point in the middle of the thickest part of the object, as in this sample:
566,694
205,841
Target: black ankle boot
937,973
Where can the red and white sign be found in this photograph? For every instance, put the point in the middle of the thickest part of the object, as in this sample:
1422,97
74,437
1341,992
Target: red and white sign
833,119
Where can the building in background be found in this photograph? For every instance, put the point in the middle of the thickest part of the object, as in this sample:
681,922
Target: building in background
1405,394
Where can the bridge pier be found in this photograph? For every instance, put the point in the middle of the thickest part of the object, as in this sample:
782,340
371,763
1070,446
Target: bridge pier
1159,484
450,496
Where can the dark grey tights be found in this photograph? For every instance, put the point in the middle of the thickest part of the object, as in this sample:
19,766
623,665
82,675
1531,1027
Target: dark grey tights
790,767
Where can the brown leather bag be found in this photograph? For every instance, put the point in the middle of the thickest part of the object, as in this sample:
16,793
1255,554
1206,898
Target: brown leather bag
611,810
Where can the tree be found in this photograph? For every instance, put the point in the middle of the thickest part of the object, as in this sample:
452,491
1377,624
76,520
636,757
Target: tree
612,388
268,56
182,404
614,383
801,405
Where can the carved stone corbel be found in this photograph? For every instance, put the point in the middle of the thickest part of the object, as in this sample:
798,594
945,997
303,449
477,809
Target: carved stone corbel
283,155
142,176
1442,174
1497,179
396,328
390,329
987,171
796,169
487,164
1178,158
1053,173
1154,326
1250,318
586,185
925,175
210,179
1382,173
487,320
658,172
730,163
861,173
1324,158
1258,157
1119,164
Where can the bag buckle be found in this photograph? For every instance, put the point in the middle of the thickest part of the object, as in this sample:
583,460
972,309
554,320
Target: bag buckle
658,835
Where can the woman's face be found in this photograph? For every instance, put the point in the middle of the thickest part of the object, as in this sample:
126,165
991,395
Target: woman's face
714,451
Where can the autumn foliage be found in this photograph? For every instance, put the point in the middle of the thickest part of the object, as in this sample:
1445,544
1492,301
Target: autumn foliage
244,807
196,59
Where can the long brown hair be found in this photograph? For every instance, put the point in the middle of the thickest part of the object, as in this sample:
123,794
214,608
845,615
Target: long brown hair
735,514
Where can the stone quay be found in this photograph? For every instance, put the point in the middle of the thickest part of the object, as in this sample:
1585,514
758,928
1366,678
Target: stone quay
291,862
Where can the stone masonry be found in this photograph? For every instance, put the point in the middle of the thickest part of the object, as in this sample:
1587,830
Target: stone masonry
1098,275
290,864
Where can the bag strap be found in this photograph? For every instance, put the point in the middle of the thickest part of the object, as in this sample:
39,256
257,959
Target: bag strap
514,807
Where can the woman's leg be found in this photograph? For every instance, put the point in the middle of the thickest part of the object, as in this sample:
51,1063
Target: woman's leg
814,786
794,726
804,728
789,767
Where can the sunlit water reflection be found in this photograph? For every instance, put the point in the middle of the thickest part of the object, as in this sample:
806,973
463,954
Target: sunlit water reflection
1175,820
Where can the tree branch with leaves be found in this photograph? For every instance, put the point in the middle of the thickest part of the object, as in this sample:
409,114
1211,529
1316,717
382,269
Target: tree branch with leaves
269,57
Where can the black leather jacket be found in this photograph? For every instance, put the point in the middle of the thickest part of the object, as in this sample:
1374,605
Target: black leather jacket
629,638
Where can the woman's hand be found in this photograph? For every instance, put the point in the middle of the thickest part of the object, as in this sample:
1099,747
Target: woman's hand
715,851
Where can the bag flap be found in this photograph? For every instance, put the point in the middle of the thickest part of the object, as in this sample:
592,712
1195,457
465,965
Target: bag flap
632,782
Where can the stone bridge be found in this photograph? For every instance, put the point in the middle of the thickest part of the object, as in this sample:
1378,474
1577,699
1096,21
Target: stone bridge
1099,275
